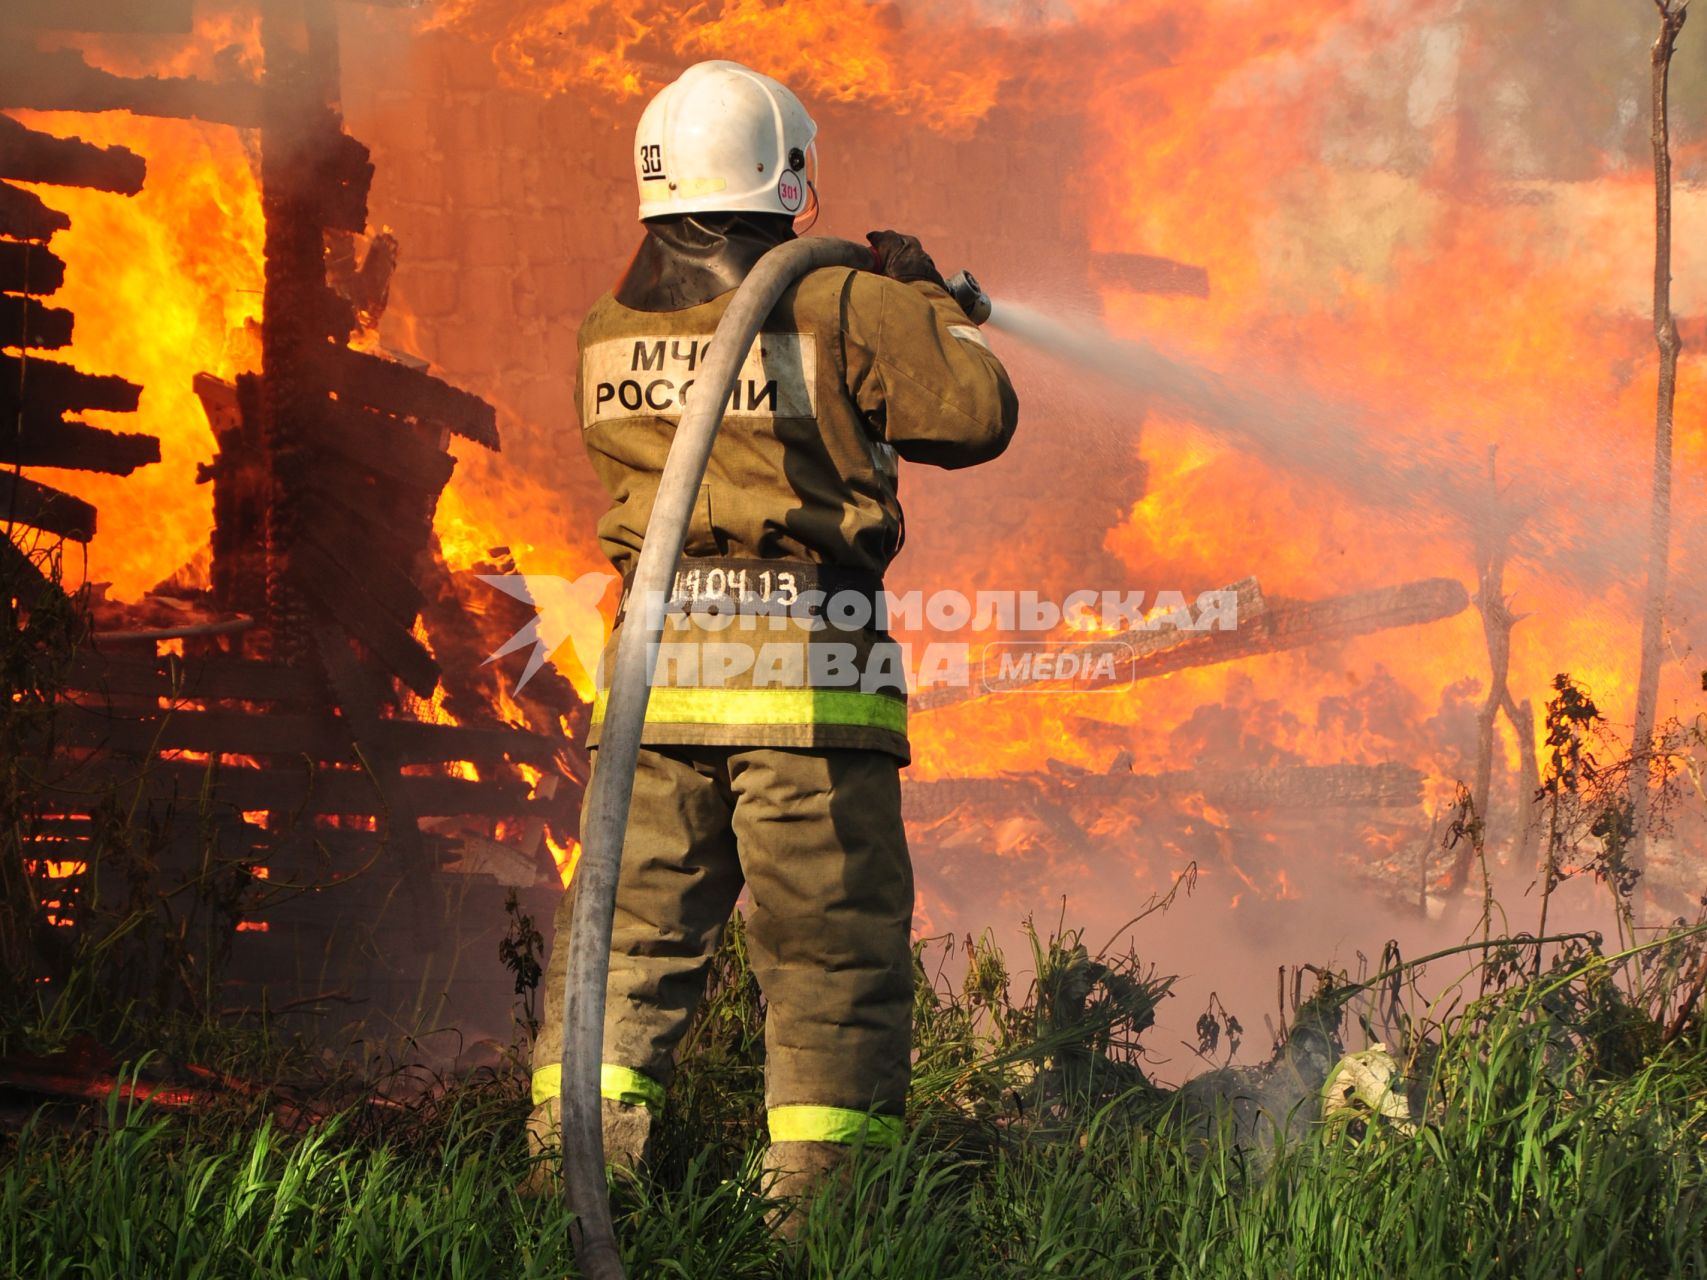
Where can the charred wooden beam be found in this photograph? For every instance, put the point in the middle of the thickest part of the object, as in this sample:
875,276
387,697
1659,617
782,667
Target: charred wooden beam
330,312
394,648
29,156
24,216
1283,787
344,176
379,521
312,178
27,323
50,384
1278,626
61,80
23,501
1248,607
134,16
365,285
220,403
378,536
388,447
294,277
343,597
395,388
240,492
1386,786
387,587
1294,625
29,268
44,440
361,696
992,673
210,677
201,629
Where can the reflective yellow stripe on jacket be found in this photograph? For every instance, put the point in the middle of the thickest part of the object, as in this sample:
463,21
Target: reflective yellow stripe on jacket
769,707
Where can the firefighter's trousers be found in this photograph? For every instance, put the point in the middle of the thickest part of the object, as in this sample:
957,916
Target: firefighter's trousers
816,836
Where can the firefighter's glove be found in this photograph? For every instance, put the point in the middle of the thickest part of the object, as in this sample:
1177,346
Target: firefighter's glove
902,257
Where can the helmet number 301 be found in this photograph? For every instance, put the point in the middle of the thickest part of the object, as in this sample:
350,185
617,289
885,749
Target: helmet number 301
791,191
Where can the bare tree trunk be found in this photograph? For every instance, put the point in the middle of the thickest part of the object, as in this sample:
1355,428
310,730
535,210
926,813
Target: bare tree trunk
1672,15
1493,536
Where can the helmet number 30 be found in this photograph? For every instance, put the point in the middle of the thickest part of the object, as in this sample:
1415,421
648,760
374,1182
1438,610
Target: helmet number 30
652,160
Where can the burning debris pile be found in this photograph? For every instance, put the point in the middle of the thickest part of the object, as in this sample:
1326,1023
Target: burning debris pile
1069,807
304,698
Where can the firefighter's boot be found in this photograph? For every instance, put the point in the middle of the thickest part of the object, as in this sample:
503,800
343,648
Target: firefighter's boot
794,1173
627,1132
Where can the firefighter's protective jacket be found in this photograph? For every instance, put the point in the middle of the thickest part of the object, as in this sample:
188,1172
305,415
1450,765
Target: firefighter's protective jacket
851,371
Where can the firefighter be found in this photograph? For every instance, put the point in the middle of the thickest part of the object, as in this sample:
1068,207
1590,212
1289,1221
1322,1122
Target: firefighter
777,725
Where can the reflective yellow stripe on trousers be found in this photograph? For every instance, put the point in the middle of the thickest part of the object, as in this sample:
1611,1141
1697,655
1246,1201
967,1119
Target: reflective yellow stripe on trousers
619,1084
833,1124
769,706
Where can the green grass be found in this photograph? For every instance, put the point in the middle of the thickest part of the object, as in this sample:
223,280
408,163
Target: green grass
1538,1154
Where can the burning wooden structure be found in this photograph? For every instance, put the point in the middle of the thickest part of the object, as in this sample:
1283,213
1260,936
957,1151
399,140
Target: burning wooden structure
314,711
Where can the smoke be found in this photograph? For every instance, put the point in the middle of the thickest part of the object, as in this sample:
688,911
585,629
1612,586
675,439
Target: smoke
1244,951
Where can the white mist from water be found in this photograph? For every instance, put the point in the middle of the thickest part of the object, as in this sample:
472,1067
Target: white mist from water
1284,424
1413,470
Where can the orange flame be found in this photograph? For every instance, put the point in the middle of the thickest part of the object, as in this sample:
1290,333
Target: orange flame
1391,264
564,856
845,51
163,285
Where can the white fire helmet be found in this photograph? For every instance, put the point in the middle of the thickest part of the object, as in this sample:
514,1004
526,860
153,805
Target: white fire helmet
724,139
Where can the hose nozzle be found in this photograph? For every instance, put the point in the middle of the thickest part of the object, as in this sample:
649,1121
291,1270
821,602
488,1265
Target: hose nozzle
964,288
